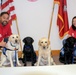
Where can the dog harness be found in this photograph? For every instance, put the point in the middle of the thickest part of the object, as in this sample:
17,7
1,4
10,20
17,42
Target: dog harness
5,49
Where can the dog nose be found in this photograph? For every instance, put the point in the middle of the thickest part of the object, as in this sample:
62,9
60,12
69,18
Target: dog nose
43,47
16,41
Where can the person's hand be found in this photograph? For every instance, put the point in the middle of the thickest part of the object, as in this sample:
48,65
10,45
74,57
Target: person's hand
2,43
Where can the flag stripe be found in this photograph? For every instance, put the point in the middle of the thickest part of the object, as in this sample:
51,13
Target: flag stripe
11,9
59,16
61,22
56,1
4,4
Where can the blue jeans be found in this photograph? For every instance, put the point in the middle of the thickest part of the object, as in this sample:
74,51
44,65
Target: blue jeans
74,52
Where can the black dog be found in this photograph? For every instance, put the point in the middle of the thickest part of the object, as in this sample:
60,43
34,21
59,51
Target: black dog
28,51
68,50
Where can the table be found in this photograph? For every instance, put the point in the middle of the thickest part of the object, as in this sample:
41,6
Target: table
51,70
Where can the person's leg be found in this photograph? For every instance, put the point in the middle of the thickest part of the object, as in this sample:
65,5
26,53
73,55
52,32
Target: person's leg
74,53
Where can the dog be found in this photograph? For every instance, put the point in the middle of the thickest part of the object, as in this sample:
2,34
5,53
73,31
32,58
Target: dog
68,47
11,48
28,51
44,53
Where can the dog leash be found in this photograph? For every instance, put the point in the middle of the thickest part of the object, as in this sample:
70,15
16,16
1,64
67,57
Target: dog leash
15,63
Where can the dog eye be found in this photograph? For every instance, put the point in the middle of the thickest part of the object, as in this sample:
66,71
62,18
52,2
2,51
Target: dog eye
12,37
16,36
41,42
45,41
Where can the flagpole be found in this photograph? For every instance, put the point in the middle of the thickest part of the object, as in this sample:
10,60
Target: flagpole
18,33
1,2
51,21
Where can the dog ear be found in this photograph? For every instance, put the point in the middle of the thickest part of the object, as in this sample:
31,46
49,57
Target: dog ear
39,43
32,40
48,42
24,40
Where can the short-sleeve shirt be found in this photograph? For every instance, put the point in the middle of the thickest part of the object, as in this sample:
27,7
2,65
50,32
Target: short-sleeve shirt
72,32
5,31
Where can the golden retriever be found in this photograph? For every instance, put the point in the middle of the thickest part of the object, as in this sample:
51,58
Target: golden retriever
44,53
12,45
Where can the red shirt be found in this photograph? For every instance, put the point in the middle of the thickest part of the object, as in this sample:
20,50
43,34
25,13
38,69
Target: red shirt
5,31
72,32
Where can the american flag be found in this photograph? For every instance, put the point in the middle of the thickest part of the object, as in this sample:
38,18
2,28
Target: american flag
7,5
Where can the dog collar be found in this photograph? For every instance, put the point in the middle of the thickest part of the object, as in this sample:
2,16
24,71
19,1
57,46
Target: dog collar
27,46
12,45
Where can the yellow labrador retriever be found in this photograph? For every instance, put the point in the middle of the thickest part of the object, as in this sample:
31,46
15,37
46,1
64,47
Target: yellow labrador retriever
44,53
12,45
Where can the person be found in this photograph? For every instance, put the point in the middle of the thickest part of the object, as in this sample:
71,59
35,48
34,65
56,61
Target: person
71,33
72,30
5,29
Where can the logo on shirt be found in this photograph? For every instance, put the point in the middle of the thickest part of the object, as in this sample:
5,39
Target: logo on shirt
73,34
0,35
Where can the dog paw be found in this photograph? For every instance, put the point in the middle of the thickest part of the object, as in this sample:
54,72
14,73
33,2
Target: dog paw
19,64
32,64
24,64
12,66
35,64
2,66
53,63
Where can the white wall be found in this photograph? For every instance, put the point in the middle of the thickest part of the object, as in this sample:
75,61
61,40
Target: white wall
34,20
